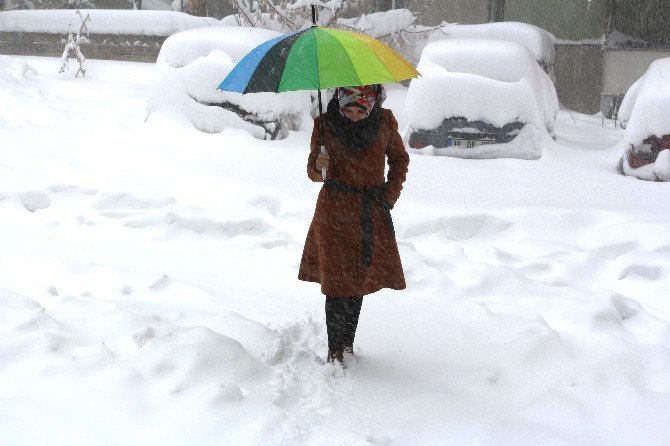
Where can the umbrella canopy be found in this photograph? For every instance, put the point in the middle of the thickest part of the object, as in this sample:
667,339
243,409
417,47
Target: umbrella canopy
317,58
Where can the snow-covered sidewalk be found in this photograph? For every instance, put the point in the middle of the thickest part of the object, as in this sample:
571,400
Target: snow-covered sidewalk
149,292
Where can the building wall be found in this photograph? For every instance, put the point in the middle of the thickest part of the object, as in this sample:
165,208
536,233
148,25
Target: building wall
566,19
579,71
133,48
434,12
623,67
578,67
648,20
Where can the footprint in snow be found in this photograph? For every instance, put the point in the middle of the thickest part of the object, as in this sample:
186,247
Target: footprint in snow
125,201
253,226
34,200
615,250
273,204
639,271
618,309
303,383
72,189
459,228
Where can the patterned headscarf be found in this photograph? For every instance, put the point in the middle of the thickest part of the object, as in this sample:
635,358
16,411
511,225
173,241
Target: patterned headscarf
364,96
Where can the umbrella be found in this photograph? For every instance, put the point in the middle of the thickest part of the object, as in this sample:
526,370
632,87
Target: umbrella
316,58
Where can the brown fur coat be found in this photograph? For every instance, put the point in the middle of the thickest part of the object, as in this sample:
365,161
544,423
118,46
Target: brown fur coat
350,247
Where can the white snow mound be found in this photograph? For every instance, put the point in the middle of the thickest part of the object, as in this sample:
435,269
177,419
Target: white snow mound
644,113
645,107
192,64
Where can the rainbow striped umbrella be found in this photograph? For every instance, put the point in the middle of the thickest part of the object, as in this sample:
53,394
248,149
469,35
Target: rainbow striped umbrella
317,58
314,59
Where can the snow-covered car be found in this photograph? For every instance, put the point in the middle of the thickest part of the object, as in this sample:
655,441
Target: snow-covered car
645,114
191,65
480,98
538,41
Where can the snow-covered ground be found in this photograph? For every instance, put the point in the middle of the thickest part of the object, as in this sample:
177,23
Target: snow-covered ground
148,289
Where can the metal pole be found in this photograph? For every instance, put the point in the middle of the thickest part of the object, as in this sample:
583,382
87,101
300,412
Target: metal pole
322,146
497,10
610,13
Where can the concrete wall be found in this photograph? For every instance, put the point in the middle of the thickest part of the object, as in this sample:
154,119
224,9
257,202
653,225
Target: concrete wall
623,67
565,19
434,12
579,72
648,20
99,46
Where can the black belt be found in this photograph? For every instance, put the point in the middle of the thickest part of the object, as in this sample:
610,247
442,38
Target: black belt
376,195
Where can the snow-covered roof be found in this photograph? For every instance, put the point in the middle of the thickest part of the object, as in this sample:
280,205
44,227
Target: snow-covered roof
646,106
103,21
491,80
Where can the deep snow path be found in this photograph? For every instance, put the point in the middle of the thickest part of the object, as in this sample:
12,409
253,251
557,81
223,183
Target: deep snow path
148,287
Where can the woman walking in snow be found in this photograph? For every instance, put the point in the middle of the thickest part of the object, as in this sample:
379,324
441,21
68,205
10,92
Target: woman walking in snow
351,248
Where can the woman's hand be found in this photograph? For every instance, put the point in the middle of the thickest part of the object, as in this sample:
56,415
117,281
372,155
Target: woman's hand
323,161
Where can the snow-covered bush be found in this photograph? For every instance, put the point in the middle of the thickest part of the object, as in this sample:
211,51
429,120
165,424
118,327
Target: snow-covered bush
73,47
479,98
288,15
192,64
645,114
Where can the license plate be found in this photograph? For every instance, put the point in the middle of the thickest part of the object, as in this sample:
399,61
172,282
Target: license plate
467,143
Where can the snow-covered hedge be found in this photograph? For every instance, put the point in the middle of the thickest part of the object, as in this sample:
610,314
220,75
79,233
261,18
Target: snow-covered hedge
103,21
645,113
192,64
494,81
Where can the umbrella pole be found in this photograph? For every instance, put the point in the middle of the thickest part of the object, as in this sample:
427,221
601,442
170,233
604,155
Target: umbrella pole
323,147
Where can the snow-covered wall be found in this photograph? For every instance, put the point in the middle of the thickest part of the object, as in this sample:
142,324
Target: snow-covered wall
112,34
103,21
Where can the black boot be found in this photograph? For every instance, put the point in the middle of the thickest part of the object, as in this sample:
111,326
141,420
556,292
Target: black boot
341,322
336,356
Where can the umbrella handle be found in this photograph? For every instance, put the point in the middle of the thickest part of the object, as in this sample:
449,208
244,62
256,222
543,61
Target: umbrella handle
323,169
